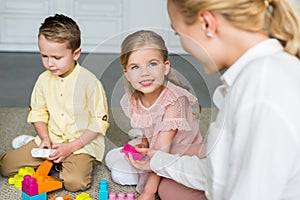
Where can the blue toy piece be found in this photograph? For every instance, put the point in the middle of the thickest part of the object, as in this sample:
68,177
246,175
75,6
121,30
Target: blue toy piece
42,196
103,190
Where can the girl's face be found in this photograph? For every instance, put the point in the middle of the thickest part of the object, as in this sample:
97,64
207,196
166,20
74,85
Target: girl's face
146,70
56,57
193,39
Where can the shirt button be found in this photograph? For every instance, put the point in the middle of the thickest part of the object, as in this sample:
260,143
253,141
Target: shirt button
62,114
61,94
61,80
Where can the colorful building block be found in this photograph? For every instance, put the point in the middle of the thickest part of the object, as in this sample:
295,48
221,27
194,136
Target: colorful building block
29,185
130,149
61,198
42,196
18,178
83,196
46,183
121,196
103,190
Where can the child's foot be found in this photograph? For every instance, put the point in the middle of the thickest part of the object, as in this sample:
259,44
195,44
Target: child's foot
21,140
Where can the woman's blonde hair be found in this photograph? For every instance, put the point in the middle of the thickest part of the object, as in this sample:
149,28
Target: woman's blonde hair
139,40
276,18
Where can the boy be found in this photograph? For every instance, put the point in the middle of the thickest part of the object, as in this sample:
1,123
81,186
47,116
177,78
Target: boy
68,109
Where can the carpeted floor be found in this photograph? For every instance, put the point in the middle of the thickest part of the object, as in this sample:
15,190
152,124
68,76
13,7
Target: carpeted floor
13,123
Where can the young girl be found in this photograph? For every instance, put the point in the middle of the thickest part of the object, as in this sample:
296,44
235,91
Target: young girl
160,108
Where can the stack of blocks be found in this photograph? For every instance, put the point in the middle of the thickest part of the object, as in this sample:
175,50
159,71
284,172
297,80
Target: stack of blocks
18,178
103,193
36,186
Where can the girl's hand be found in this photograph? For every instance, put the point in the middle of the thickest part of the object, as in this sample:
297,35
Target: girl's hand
138,164
141,164
63,150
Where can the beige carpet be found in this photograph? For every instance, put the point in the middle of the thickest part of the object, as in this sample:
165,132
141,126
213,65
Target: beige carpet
13,123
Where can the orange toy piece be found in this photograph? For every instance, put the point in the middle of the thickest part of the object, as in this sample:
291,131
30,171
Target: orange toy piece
46,183
61,198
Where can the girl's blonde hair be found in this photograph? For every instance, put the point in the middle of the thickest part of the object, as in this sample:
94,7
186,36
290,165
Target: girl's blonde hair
139,40
276,18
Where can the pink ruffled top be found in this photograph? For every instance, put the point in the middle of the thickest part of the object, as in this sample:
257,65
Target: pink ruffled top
171,111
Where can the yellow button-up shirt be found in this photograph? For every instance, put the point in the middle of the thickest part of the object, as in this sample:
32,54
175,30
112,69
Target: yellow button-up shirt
70,106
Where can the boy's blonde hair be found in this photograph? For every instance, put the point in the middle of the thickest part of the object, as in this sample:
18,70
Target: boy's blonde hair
139,40
60,28
275,17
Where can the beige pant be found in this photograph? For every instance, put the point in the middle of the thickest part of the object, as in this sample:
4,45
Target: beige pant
76,173
169,189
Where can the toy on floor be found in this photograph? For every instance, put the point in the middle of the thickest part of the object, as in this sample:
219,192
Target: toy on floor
61,198
18,178
103,190
130,149
41,153
83,196
36,186
121,196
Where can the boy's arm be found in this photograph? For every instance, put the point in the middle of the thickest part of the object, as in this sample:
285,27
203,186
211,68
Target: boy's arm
41,129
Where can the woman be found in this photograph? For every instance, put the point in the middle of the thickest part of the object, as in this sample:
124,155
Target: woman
253,146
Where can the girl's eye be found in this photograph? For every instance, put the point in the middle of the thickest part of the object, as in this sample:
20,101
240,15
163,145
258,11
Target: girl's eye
153,64
134,67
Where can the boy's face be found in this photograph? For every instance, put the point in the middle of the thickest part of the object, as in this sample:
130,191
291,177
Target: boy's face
56,57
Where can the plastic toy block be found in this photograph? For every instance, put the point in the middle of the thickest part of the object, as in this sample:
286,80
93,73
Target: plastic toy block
41,153
46,183
83,196
29,185
18,178
42,196
130,149
121,196
61,198
103,190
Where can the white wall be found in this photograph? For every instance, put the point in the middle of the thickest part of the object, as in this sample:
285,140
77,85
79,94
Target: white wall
104,23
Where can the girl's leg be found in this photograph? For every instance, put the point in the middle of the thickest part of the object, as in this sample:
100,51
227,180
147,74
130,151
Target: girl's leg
12,161
76,173
121,171
169,189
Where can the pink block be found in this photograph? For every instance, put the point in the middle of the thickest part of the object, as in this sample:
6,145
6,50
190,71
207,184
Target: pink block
29,185
130,149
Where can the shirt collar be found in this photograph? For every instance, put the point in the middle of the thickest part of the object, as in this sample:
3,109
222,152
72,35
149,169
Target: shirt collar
264,48
73,74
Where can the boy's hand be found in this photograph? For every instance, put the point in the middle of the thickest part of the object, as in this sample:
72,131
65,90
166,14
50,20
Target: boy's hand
63,150
45,144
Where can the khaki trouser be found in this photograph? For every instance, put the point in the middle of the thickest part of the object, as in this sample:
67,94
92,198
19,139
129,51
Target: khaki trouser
76,173
169,189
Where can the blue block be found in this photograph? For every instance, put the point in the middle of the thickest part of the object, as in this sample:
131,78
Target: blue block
42,196
103,190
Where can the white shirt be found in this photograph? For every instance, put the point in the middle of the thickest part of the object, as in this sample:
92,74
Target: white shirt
254,144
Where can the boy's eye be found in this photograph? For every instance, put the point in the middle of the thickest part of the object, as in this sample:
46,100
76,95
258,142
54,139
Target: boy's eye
176,33
57,58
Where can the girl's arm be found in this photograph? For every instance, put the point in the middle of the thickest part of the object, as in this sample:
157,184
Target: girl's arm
163,142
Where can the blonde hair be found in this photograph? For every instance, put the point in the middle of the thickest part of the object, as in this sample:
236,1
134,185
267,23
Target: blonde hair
60,28
139,40
276,18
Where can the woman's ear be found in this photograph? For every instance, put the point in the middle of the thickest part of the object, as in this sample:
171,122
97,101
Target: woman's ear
167,67
209,23
76,54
